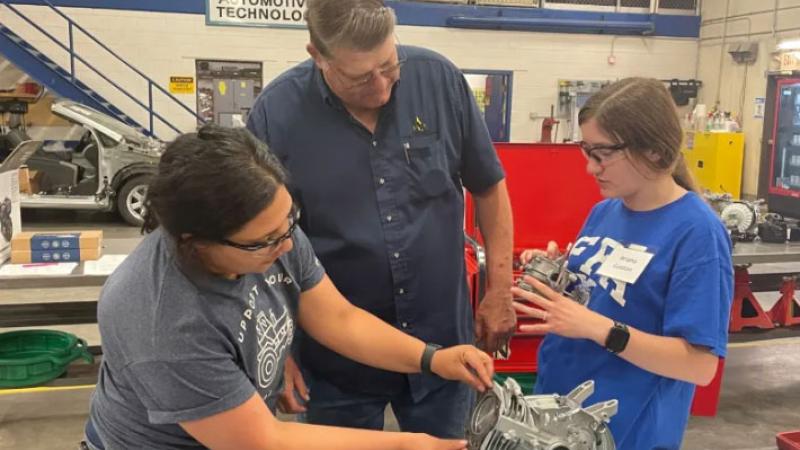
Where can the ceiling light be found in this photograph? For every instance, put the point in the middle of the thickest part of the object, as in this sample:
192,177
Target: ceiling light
789,44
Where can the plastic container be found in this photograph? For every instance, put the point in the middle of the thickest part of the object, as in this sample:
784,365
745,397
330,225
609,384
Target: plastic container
788,440
525,380
32,357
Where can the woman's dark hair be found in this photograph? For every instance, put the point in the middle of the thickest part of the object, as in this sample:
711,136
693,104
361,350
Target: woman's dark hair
211,183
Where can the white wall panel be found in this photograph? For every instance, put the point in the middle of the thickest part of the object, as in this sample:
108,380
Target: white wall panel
163,45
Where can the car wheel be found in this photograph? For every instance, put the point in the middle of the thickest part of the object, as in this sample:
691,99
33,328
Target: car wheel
131,198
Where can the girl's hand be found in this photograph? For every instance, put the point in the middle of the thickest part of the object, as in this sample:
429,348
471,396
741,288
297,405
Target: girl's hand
551,252
560,315
464,363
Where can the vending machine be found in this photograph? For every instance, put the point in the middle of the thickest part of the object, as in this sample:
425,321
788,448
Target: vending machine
779,179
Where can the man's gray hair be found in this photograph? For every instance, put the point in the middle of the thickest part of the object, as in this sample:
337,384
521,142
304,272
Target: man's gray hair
360,25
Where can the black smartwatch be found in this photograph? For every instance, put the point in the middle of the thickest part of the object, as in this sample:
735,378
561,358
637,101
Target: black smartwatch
427,356
617,338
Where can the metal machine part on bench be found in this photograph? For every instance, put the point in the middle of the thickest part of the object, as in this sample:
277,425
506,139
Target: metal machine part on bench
741,218
504,419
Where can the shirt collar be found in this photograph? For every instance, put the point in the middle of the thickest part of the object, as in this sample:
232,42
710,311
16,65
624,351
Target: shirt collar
325,91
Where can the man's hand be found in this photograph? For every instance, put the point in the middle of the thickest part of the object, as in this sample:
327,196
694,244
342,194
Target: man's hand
293,382
496,321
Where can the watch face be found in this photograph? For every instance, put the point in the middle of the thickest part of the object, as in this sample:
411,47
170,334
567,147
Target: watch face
617,338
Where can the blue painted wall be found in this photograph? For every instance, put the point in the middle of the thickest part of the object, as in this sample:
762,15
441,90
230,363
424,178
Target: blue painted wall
440,15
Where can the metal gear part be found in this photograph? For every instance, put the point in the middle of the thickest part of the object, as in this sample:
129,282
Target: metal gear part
504,419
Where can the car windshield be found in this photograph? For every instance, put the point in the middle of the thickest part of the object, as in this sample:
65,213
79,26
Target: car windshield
129,133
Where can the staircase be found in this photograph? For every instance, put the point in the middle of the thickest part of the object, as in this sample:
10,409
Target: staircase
65,82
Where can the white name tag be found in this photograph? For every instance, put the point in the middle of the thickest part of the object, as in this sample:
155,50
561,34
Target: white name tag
625,265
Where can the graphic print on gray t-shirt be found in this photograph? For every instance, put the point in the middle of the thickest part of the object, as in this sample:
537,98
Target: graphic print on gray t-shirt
180,344
274,332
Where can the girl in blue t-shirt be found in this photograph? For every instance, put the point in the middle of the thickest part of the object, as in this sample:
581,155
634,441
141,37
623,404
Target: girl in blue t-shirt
657,263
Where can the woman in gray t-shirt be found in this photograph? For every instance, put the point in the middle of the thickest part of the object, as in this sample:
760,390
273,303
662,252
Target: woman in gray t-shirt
197,322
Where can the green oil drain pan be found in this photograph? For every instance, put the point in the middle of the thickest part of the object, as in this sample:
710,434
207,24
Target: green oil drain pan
32,357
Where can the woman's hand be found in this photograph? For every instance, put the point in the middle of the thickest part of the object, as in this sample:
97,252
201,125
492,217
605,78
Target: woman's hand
293,386
551,252
560,315
419,441
464,363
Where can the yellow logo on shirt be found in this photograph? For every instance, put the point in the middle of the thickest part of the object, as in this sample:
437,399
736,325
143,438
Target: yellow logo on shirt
419,125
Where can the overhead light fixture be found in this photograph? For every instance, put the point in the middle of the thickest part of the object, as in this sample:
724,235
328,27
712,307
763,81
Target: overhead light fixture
789,44
553,25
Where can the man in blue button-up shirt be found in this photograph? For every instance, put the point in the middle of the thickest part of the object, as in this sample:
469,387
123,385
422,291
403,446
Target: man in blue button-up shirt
380,140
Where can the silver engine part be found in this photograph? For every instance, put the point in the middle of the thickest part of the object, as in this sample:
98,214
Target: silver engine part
741,216
553,273
504,419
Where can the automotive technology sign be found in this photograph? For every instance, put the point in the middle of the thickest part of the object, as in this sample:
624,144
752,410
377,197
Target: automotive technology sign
256,13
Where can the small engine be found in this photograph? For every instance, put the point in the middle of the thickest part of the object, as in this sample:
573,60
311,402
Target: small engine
554,273
504,419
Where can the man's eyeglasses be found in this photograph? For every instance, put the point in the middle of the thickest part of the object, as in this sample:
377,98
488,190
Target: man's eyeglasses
363,80
603,154
274,243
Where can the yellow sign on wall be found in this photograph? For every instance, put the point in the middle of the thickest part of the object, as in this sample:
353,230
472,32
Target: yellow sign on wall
790,61
181,85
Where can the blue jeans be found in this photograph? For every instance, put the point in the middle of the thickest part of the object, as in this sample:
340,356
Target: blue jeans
92,438
442,413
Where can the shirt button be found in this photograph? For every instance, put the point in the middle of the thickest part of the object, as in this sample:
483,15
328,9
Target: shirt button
374,143
381,181
388,218
401,291
404,324
396,255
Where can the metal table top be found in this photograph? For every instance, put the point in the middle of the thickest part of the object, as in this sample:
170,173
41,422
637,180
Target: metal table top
761,252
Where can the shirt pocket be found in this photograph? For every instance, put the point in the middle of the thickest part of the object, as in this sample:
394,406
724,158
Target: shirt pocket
428,170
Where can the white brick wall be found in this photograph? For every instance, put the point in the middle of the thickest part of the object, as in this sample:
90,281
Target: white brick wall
736,86
162,45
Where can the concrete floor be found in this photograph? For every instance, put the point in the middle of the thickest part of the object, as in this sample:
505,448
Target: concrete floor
760,393
760,398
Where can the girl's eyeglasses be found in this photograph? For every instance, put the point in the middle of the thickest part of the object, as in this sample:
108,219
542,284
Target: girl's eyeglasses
602,154
274,243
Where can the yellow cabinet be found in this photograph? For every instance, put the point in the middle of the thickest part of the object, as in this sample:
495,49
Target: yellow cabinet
715,160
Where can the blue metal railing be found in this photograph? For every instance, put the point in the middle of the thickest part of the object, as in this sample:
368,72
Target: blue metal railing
73,55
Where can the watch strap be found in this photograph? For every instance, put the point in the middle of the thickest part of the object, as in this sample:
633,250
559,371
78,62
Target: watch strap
427,357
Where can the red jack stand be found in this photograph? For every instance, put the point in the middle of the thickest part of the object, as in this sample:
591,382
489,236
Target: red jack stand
746,312
547,128
787,311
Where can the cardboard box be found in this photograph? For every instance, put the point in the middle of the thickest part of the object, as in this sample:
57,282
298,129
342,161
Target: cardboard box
57,240
10,221
35,176
55,256
25,180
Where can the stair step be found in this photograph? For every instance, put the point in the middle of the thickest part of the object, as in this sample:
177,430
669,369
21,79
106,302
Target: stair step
57,71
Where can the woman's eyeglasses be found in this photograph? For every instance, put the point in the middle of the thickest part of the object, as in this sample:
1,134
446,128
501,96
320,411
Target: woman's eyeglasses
274,243
602,154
